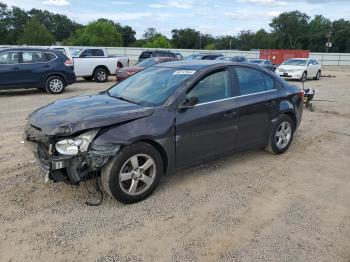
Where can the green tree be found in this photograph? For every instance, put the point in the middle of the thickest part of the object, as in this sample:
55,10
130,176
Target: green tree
290,28
35,33
150,33
59,25
246,40
127,33
185,38
210,47
17,19
98,33
159,41
4,23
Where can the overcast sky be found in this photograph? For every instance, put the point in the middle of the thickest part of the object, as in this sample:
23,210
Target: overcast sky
217,17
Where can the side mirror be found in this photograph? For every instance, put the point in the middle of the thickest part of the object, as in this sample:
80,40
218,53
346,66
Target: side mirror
83,55
188,103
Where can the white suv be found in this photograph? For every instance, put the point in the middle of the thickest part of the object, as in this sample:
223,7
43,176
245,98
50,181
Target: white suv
299,68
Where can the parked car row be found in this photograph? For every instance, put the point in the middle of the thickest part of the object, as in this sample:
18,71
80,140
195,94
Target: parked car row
54,69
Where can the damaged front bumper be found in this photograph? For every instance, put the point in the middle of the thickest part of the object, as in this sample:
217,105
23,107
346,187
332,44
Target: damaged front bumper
73,169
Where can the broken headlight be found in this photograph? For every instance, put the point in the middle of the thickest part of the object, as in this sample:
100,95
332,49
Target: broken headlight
73,146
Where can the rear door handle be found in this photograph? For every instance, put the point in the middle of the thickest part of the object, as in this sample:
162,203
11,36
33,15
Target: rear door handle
230,114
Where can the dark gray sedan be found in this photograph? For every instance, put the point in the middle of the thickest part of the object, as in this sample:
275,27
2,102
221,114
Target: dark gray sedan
167,117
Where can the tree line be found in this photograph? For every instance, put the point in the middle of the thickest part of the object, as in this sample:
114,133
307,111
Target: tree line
289,30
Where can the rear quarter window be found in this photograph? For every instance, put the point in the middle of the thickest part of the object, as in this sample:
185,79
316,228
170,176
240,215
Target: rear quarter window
50,56
253,81
98,52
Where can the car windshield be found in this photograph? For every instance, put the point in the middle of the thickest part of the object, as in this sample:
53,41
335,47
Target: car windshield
151,86
148,62
296,62
257,61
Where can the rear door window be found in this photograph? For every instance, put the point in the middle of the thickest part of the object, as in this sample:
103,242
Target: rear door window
33,57
98,52
9,58
145,55
87,52
212,87
253,81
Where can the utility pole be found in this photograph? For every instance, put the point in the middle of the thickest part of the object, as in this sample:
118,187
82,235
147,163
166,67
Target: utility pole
200,40
329,44
230,43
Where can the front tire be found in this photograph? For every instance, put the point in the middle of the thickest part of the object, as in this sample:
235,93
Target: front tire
100,75
304,77
281,136
133,174
54,85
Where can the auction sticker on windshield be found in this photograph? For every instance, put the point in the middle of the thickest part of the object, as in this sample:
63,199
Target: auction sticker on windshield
184,72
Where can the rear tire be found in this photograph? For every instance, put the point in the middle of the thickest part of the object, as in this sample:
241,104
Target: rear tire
318,75
281,136
100,75
121,172
55,85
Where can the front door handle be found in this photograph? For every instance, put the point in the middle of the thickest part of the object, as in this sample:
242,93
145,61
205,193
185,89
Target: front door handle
270,103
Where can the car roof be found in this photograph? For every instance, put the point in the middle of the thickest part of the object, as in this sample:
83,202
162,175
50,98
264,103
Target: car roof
199,64
19,49
295,58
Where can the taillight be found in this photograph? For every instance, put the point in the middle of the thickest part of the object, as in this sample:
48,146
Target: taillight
68,62
301,94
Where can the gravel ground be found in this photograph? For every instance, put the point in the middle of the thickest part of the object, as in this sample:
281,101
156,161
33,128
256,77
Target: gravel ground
252,206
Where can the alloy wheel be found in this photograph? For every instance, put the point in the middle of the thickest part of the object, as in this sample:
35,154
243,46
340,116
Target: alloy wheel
137,174
283,134
56,85
101,75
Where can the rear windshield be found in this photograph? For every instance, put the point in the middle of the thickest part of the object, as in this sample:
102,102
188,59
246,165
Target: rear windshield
297,62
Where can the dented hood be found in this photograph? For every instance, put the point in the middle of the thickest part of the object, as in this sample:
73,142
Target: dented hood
72,115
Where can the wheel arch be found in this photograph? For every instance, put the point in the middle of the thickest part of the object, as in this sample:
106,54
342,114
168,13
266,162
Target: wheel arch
102,66
293,116
159,148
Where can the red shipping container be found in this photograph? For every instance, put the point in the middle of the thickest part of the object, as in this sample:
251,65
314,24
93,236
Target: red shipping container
278,56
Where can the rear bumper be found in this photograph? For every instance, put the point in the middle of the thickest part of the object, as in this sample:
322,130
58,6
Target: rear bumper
71,78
